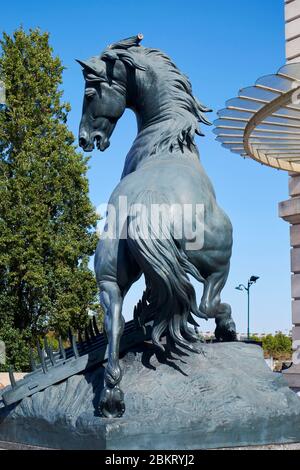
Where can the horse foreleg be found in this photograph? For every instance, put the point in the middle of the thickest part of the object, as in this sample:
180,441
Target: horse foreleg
211,305
112,398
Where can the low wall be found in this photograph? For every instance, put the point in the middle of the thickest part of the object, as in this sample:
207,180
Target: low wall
4,378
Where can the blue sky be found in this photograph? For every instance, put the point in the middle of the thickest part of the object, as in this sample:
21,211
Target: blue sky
222,46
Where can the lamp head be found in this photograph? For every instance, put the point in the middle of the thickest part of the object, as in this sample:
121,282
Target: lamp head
240,287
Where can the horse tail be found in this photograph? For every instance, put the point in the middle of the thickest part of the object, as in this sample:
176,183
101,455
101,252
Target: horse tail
171,297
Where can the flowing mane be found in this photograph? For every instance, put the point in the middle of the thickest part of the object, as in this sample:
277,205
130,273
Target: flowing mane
185,112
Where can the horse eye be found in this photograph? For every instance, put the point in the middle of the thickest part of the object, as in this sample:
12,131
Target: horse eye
95,78
90,92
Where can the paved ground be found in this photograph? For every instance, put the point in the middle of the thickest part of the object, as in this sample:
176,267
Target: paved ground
269,447
283,447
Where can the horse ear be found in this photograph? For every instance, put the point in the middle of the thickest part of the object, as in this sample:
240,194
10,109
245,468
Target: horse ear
89,67
83,64
128,59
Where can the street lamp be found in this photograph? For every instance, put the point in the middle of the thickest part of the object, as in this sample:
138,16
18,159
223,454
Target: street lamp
242,287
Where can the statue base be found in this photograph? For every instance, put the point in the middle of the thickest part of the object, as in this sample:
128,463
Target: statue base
225,397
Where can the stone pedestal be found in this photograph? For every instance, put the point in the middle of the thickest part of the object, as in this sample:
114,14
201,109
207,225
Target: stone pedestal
225,397
290,211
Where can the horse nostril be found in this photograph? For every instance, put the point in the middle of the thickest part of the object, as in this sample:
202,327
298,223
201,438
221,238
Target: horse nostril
82,142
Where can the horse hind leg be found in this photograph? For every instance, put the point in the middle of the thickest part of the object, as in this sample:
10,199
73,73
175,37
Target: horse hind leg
225,326
111,403
211,305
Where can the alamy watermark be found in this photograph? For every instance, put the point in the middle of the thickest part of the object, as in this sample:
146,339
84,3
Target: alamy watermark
154,221
2,93
2,352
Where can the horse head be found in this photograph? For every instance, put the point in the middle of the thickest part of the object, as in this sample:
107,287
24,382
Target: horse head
106,92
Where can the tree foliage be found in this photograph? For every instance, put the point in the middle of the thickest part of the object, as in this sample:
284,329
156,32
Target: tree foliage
277,346
46,219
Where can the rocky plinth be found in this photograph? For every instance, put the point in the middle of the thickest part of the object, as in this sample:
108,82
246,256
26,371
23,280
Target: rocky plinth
225,397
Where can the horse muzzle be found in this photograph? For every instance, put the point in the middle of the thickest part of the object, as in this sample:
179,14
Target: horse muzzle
88,143
102,142
85,142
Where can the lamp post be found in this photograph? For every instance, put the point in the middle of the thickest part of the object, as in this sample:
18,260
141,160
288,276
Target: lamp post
242,287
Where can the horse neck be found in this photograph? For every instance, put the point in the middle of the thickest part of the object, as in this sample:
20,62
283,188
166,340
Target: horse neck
149,135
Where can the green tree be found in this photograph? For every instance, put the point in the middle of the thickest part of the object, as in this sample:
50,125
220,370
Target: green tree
282,346
47,222
279,346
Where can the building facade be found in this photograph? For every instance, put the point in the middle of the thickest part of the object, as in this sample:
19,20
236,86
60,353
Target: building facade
290,210
263,123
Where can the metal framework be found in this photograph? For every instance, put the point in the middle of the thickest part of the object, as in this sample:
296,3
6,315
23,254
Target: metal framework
263,122
82,355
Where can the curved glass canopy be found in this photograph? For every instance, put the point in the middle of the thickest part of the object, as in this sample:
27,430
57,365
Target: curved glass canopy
263,122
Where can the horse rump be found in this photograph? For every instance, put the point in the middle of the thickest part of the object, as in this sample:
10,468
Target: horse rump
171,297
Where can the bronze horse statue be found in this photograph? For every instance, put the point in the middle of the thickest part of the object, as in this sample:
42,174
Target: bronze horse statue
162,169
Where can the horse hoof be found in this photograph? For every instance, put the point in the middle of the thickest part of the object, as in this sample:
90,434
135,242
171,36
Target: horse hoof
226,331
111,403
